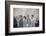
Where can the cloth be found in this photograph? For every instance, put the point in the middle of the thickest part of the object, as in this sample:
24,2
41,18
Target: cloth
15,22
27,23
21,23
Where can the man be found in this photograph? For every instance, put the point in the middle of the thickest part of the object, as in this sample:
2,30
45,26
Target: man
32,21
37,22
15,22
28,21
25,22
21,21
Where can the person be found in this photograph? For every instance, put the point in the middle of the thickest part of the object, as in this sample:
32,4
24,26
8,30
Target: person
37,23
15,22
28,21
21,21
17,17
32,21
25,22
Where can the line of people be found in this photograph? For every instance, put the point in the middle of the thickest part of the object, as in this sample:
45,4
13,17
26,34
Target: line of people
25,21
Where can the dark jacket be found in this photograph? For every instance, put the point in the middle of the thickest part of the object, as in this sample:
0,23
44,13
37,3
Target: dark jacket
37,24
15,22
21,23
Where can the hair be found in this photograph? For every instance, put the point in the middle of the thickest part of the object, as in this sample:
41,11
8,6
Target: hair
32,15
25,17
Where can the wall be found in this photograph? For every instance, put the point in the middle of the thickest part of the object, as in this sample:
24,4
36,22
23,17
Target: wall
2,18
26,11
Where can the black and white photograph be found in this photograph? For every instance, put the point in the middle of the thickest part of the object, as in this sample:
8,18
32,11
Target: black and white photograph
25,17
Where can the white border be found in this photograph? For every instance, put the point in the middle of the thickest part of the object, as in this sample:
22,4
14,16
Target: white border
28,28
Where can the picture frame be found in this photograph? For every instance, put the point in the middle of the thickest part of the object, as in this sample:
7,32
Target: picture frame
9,5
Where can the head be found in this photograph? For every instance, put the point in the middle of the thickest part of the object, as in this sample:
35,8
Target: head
25,17
32,16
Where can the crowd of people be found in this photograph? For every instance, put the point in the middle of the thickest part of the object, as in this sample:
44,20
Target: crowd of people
25,21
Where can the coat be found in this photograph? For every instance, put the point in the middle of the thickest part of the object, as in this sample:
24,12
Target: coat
21,23
15,22
27,23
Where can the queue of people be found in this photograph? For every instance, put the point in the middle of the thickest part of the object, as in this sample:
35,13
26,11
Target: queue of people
25,21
